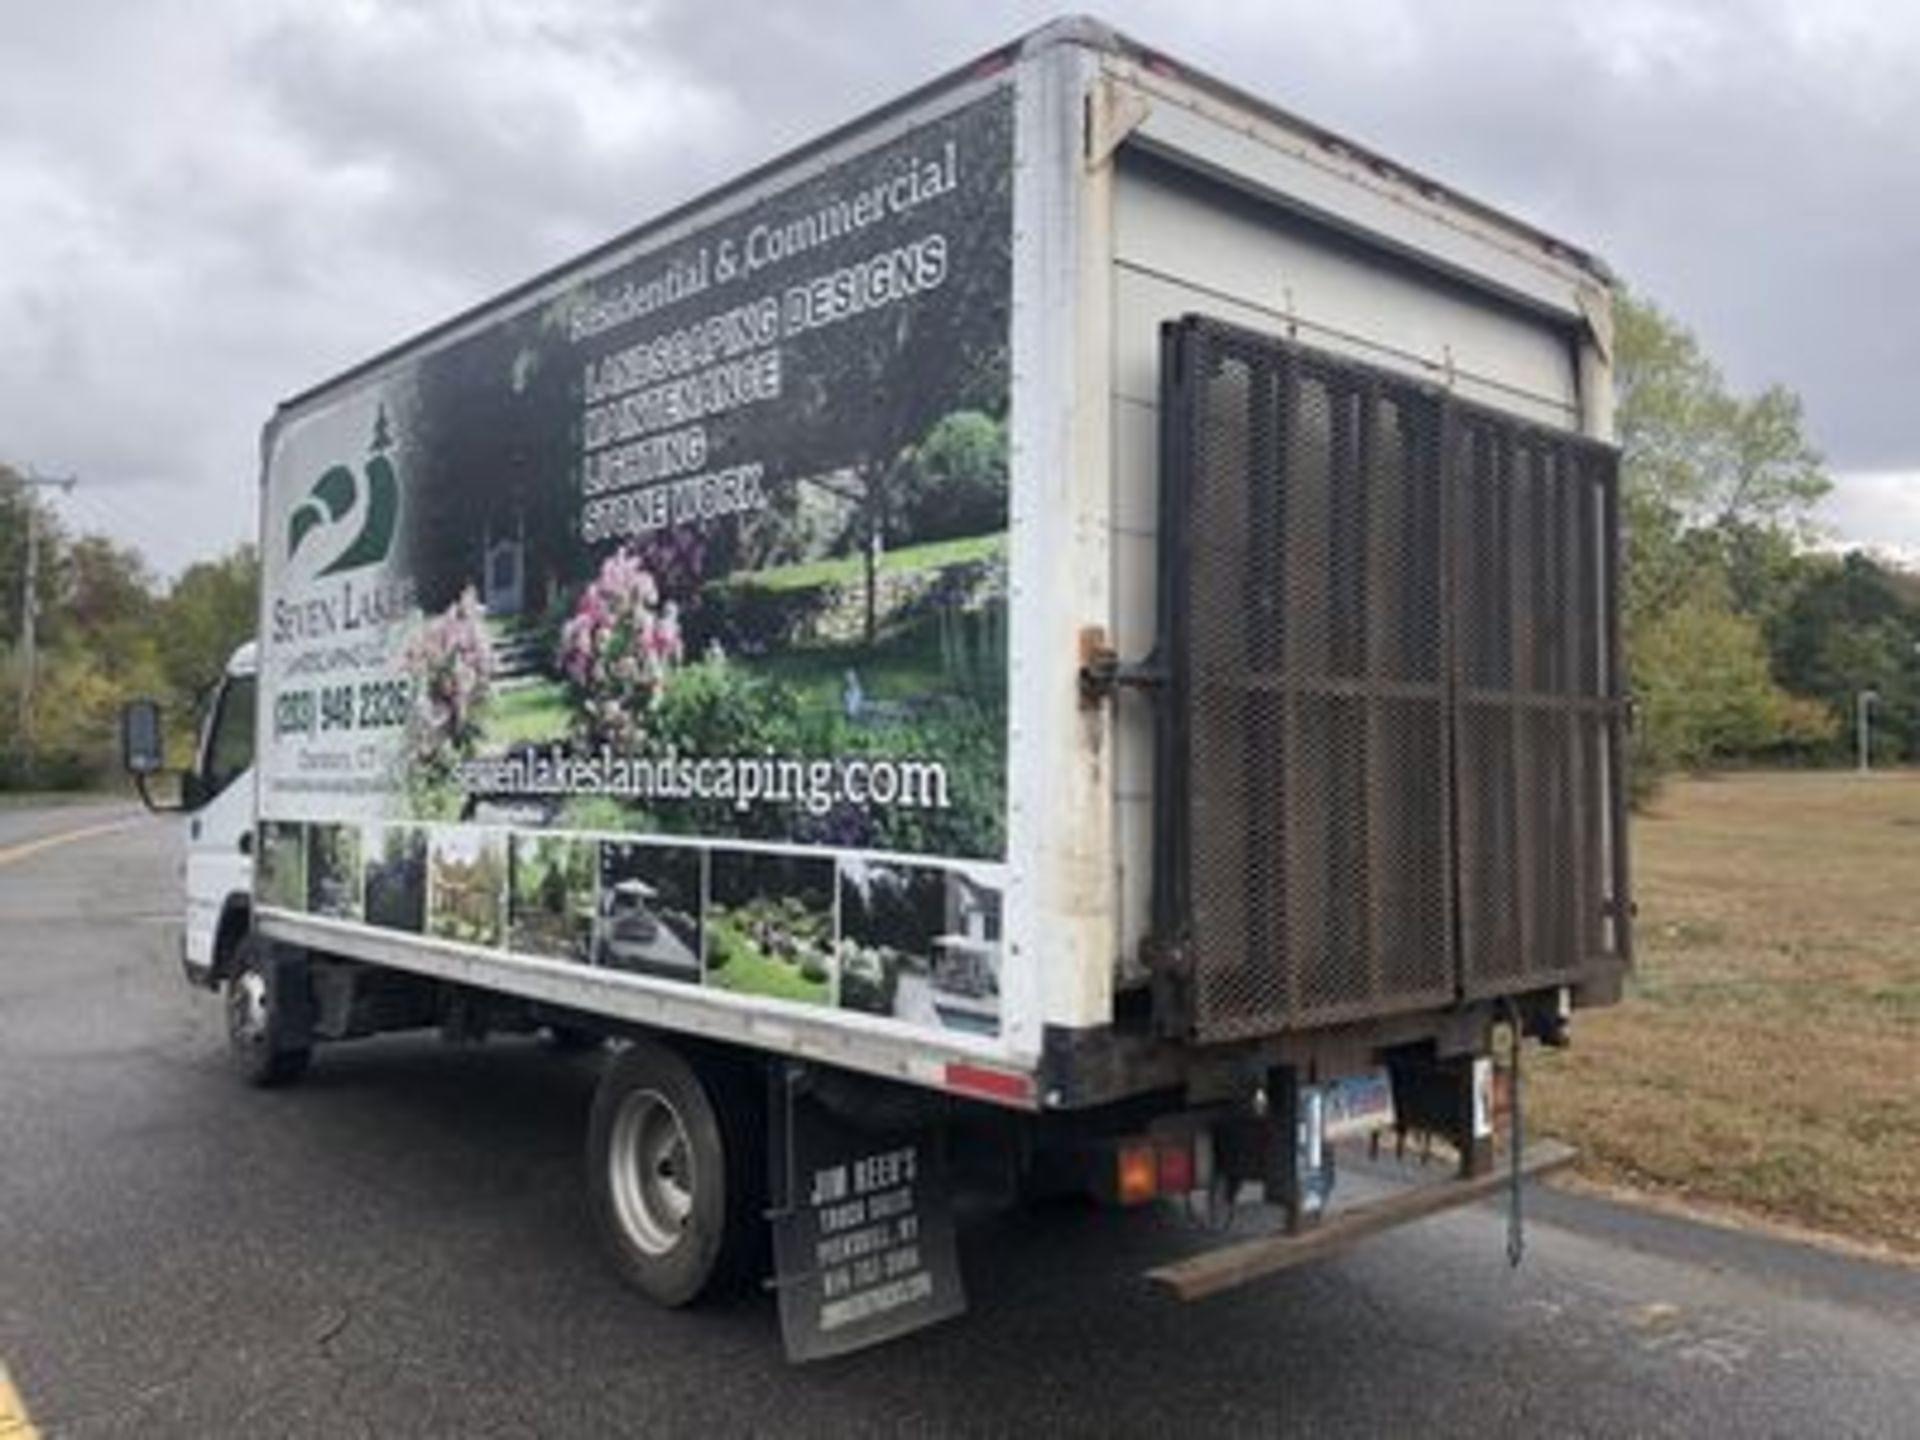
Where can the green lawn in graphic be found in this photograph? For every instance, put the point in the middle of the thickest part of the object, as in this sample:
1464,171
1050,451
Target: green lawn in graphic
906,664
747,969
851,569
531,712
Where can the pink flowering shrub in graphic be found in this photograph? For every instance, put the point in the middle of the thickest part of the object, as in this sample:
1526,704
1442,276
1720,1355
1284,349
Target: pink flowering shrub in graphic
617,650
452,664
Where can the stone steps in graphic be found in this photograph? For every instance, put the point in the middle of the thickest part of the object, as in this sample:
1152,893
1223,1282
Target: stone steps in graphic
519,656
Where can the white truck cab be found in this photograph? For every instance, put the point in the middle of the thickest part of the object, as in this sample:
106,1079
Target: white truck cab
217,797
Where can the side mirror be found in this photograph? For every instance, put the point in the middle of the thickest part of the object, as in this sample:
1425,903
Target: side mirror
143,753
142,747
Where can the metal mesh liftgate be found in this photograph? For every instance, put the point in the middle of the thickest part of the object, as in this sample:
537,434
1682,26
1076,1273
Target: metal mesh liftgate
1390,758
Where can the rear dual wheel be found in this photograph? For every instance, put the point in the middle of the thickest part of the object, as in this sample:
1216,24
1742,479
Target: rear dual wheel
677,1176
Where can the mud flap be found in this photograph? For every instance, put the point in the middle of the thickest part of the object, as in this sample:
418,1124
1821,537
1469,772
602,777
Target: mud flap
863,1239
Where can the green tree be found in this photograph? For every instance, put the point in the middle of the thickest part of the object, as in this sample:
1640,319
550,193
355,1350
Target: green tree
105,585
103,635
94,644
1695,448
884,382
106,610
1706,689
209,610
952,483
76,702
1717,492
1853,626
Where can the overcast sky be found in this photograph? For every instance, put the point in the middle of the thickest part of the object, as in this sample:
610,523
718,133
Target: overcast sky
206,205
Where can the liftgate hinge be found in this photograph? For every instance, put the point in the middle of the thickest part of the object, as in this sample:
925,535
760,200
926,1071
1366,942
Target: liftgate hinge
1103,673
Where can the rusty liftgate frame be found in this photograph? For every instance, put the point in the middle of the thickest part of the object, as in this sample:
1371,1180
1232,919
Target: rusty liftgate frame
1390,753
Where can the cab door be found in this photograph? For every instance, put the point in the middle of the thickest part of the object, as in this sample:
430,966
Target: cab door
220,819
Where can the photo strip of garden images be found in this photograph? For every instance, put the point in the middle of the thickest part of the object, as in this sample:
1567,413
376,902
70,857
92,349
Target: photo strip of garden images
914,943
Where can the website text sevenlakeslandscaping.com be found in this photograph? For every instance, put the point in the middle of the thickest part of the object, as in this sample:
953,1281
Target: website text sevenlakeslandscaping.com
742,780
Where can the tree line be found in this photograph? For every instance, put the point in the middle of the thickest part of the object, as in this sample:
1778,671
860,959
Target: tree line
1748,641
106,630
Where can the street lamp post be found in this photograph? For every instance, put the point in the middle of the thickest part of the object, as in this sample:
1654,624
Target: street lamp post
1863,726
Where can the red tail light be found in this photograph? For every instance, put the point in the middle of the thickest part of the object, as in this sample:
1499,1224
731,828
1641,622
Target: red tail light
1137,1173
1176,1167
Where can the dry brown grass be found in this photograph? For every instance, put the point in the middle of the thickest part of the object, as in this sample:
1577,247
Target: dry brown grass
1767,1057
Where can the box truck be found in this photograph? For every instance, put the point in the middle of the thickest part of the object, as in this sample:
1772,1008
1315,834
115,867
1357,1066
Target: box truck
1063,634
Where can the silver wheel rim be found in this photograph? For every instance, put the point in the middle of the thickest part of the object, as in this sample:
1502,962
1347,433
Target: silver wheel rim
247,1008
653,1179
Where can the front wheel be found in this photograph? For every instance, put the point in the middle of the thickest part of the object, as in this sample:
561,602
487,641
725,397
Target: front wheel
676,1172
257,1040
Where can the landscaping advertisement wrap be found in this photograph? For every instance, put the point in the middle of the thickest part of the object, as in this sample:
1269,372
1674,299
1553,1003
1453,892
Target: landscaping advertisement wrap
660,623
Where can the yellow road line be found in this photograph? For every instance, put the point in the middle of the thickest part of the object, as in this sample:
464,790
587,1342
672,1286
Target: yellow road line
21,851
15,1424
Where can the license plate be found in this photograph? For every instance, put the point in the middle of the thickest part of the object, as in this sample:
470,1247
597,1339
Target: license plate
1357,1104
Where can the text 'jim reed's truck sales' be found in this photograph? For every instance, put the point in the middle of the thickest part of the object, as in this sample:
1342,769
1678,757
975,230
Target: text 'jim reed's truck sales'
1061,636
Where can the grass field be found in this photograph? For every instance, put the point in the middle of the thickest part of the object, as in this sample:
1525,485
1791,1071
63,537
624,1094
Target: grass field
1767,1058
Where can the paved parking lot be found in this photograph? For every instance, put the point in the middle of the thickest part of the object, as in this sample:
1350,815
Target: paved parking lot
400,1246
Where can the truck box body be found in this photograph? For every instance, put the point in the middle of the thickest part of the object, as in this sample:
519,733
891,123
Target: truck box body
1072,576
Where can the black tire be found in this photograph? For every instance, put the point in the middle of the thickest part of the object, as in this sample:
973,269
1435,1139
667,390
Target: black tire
677,1172
259,1045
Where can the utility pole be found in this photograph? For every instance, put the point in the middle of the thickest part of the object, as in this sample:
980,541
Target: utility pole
29,603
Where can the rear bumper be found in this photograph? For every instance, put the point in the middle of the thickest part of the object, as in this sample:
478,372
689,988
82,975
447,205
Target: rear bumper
1089,1068
1230,1266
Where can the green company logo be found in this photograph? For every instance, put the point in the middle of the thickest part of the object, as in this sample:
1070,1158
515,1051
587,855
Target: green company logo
334,496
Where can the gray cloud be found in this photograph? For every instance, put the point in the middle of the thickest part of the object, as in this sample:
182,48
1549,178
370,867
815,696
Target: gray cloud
1878,509
207,208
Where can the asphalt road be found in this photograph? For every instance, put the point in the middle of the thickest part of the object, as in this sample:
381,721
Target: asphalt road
400,1247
